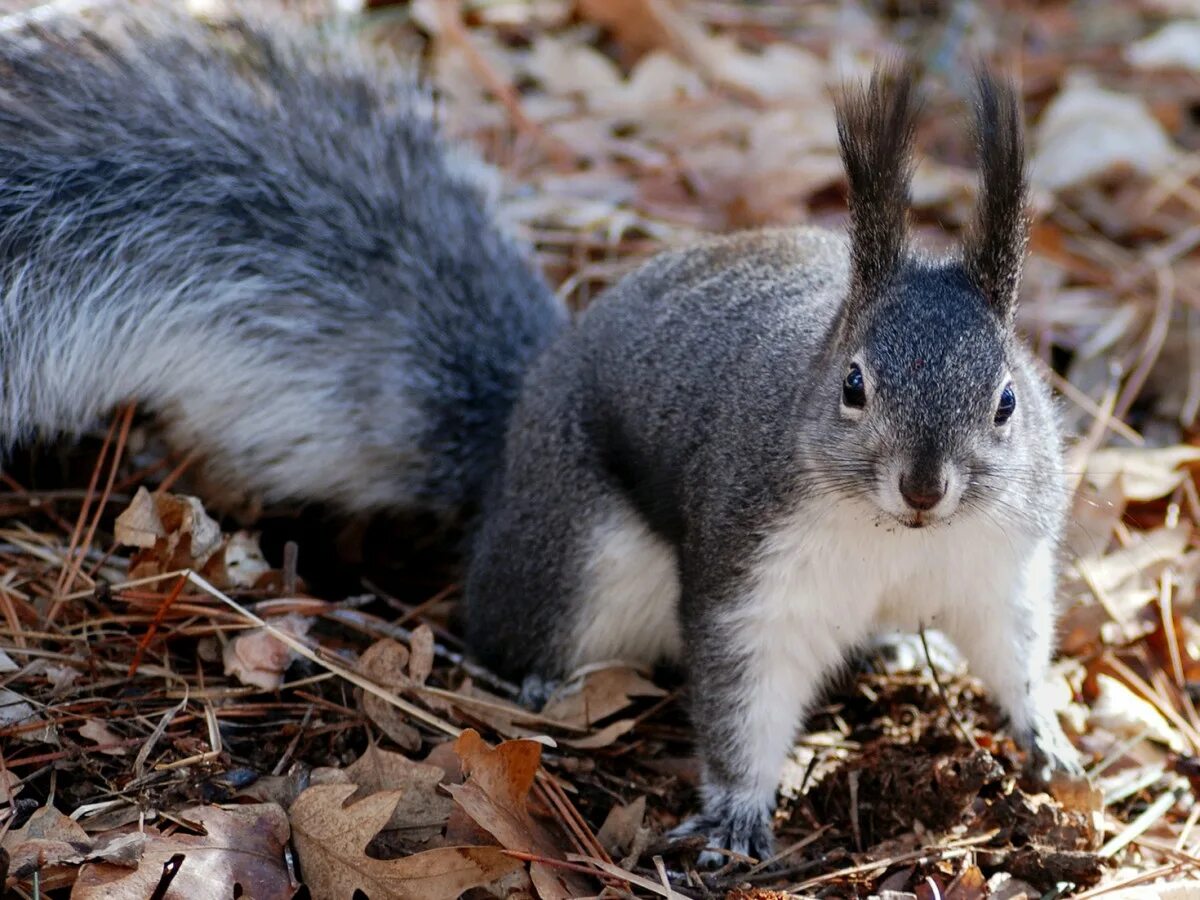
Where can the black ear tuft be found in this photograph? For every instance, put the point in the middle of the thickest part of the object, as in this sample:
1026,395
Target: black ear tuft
875,127
994,249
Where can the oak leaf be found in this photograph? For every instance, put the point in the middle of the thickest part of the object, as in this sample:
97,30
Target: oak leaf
331,841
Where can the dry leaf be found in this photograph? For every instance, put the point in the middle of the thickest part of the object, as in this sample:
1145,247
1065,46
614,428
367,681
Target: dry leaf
621,826
242,846
1176,46
598,693
495,797
139,524
102,735
386,662
1144,473
1121,711
1087,131
331,840
422,810
638,25
420,648
258,658
47,840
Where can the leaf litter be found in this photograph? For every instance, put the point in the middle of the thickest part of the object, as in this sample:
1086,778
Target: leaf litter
181,712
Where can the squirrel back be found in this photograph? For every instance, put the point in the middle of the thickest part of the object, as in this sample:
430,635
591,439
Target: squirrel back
266,243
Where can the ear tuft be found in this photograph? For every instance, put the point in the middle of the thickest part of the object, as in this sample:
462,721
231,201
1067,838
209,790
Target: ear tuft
994,249
875,126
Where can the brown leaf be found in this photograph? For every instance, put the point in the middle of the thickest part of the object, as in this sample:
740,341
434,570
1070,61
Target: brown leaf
599,694
638,25
331,840
495,795
422,810
386,662
420,647
139,524
47,840
621,826
242,846
107,742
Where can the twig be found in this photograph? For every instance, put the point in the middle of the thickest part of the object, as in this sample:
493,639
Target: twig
967,736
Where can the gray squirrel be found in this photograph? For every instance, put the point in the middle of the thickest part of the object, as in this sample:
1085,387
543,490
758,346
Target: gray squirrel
749,455
754,454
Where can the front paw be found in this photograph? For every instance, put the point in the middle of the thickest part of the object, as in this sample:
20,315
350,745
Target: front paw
744,833
1051,754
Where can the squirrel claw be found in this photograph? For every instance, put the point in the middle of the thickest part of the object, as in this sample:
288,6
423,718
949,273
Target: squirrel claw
1051,754
744,837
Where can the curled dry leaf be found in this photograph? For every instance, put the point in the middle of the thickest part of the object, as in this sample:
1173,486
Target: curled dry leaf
258,658
386,662
242,845
331,841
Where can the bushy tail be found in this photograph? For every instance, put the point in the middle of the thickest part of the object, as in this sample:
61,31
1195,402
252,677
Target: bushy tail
265,242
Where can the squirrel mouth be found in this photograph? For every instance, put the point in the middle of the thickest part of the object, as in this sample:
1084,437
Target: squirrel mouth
916,521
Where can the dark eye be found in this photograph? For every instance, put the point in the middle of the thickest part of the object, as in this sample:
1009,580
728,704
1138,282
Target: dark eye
854,389
1008,403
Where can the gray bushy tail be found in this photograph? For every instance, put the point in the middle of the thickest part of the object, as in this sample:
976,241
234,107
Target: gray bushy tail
266,243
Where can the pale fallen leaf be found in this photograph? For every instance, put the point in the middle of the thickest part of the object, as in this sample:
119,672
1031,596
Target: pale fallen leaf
420,648
1176,45
598,693
243,561
139,524
105,739
258,658
1125,714
1144,473
1087,131
241,845
18,714
1140,560
331,841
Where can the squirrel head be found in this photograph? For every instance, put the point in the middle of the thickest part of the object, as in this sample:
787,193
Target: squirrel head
929,390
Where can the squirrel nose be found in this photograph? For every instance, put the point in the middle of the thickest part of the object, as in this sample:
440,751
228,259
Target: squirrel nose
921,497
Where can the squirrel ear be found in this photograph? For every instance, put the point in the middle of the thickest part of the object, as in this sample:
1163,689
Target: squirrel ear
875,125
994,248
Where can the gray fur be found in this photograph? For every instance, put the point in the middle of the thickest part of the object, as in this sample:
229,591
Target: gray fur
261,238
703,392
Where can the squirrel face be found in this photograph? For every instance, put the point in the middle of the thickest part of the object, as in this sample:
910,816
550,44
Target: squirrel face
926,400
924,392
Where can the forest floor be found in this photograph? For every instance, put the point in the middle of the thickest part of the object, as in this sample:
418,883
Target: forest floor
184,705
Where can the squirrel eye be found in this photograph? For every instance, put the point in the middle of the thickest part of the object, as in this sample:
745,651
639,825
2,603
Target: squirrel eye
854,389
1008,403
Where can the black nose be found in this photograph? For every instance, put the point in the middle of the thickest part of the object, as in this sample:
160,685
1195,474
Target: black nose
919,496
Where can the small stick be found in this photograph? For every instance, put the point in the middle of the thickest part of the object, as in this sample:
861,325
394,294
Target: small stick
967,736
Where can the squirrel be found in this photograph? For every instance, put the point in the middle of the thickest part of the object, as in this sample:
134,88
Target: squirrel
755,454
748,455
